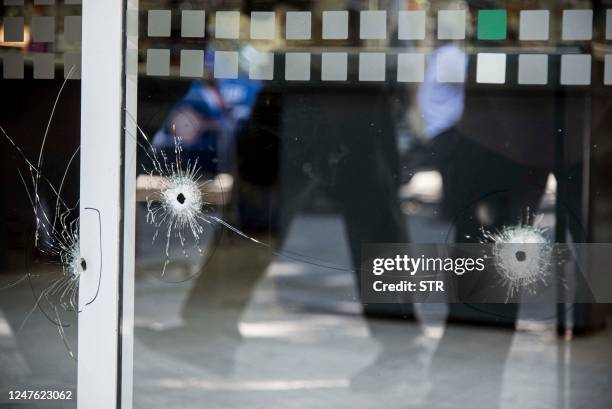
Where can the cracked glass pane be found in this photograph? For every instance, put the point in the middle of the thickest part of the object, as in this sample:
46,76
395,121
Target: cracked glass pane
315,226
263,199
40,263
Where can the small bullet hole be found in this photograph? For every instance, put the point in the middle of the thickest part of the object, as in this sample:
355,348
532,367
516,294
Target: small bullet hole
83,264
520,255
180,198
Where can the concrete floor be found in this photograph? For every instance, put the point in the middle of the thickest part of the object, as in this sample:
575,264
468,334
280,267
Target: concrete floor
259,331
32,354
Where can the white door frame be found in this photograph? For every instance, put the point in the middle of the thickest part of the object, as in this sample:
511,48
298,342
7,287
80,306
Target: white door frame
105,325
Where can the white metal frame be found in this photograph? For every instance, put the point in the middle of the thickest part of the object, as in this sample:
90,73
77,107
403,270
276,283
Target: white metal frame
104,348
129,202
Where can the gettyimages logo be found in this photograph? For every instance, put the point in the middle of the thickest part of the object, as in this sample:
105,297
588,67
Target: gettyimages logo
512,271
422,275
413,265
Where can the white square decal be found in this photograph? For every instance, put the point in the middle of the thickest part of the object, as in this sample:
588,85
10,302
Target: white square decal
410,67
334,66
335,25
451,25
411,25
297,67
263,24
491,68
261,66
373,25
298,25
227,24
226,64
372,66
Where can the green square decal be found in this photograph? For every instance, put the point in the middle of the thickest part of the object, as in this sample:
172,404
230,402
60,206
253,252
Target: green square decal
492,24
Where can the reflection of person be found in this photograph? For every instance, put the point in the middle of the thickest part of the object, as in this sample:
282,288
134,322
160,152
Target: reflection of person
441,105
348,153
338,142
209,119
198,119
206,120
498,170
341,143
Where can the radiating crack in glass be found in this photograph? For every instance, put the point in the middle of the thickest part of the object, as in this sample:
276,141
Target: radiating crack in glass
56,236
177,205
178,208
521,255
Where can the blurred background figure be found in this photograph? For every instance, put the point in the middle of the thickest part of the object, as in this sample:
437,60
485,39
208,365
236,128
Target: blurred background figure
440,105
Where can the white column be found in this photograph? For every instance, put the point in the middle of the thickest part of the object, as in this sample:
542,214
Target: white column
101,177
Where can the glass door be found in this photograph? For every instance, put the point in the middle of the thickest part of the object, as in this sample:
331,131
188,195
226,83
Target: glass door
277,140
40,45
305,203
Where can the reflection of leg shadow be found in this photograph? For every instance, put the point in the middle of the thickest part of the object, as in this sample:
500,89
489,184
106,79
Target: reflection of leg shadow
468,366
485,190
32,352
210,336
402,366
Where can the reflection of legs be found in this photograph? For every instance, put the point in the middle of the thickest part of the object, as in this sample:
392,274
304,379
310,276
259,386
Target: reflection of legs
210,335
372,215
486,190
489,192
443,149
470,362
350,152
226,284
573,202
365,188
576,286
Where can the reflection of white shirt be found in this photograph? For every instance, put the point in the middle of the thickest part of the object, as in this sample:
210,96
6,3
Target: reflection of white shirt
441,97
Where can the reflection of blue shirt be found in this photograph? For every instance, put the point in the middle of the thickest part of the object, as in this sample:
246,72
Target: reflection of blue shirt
198,118
239,94
442,103
207,119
